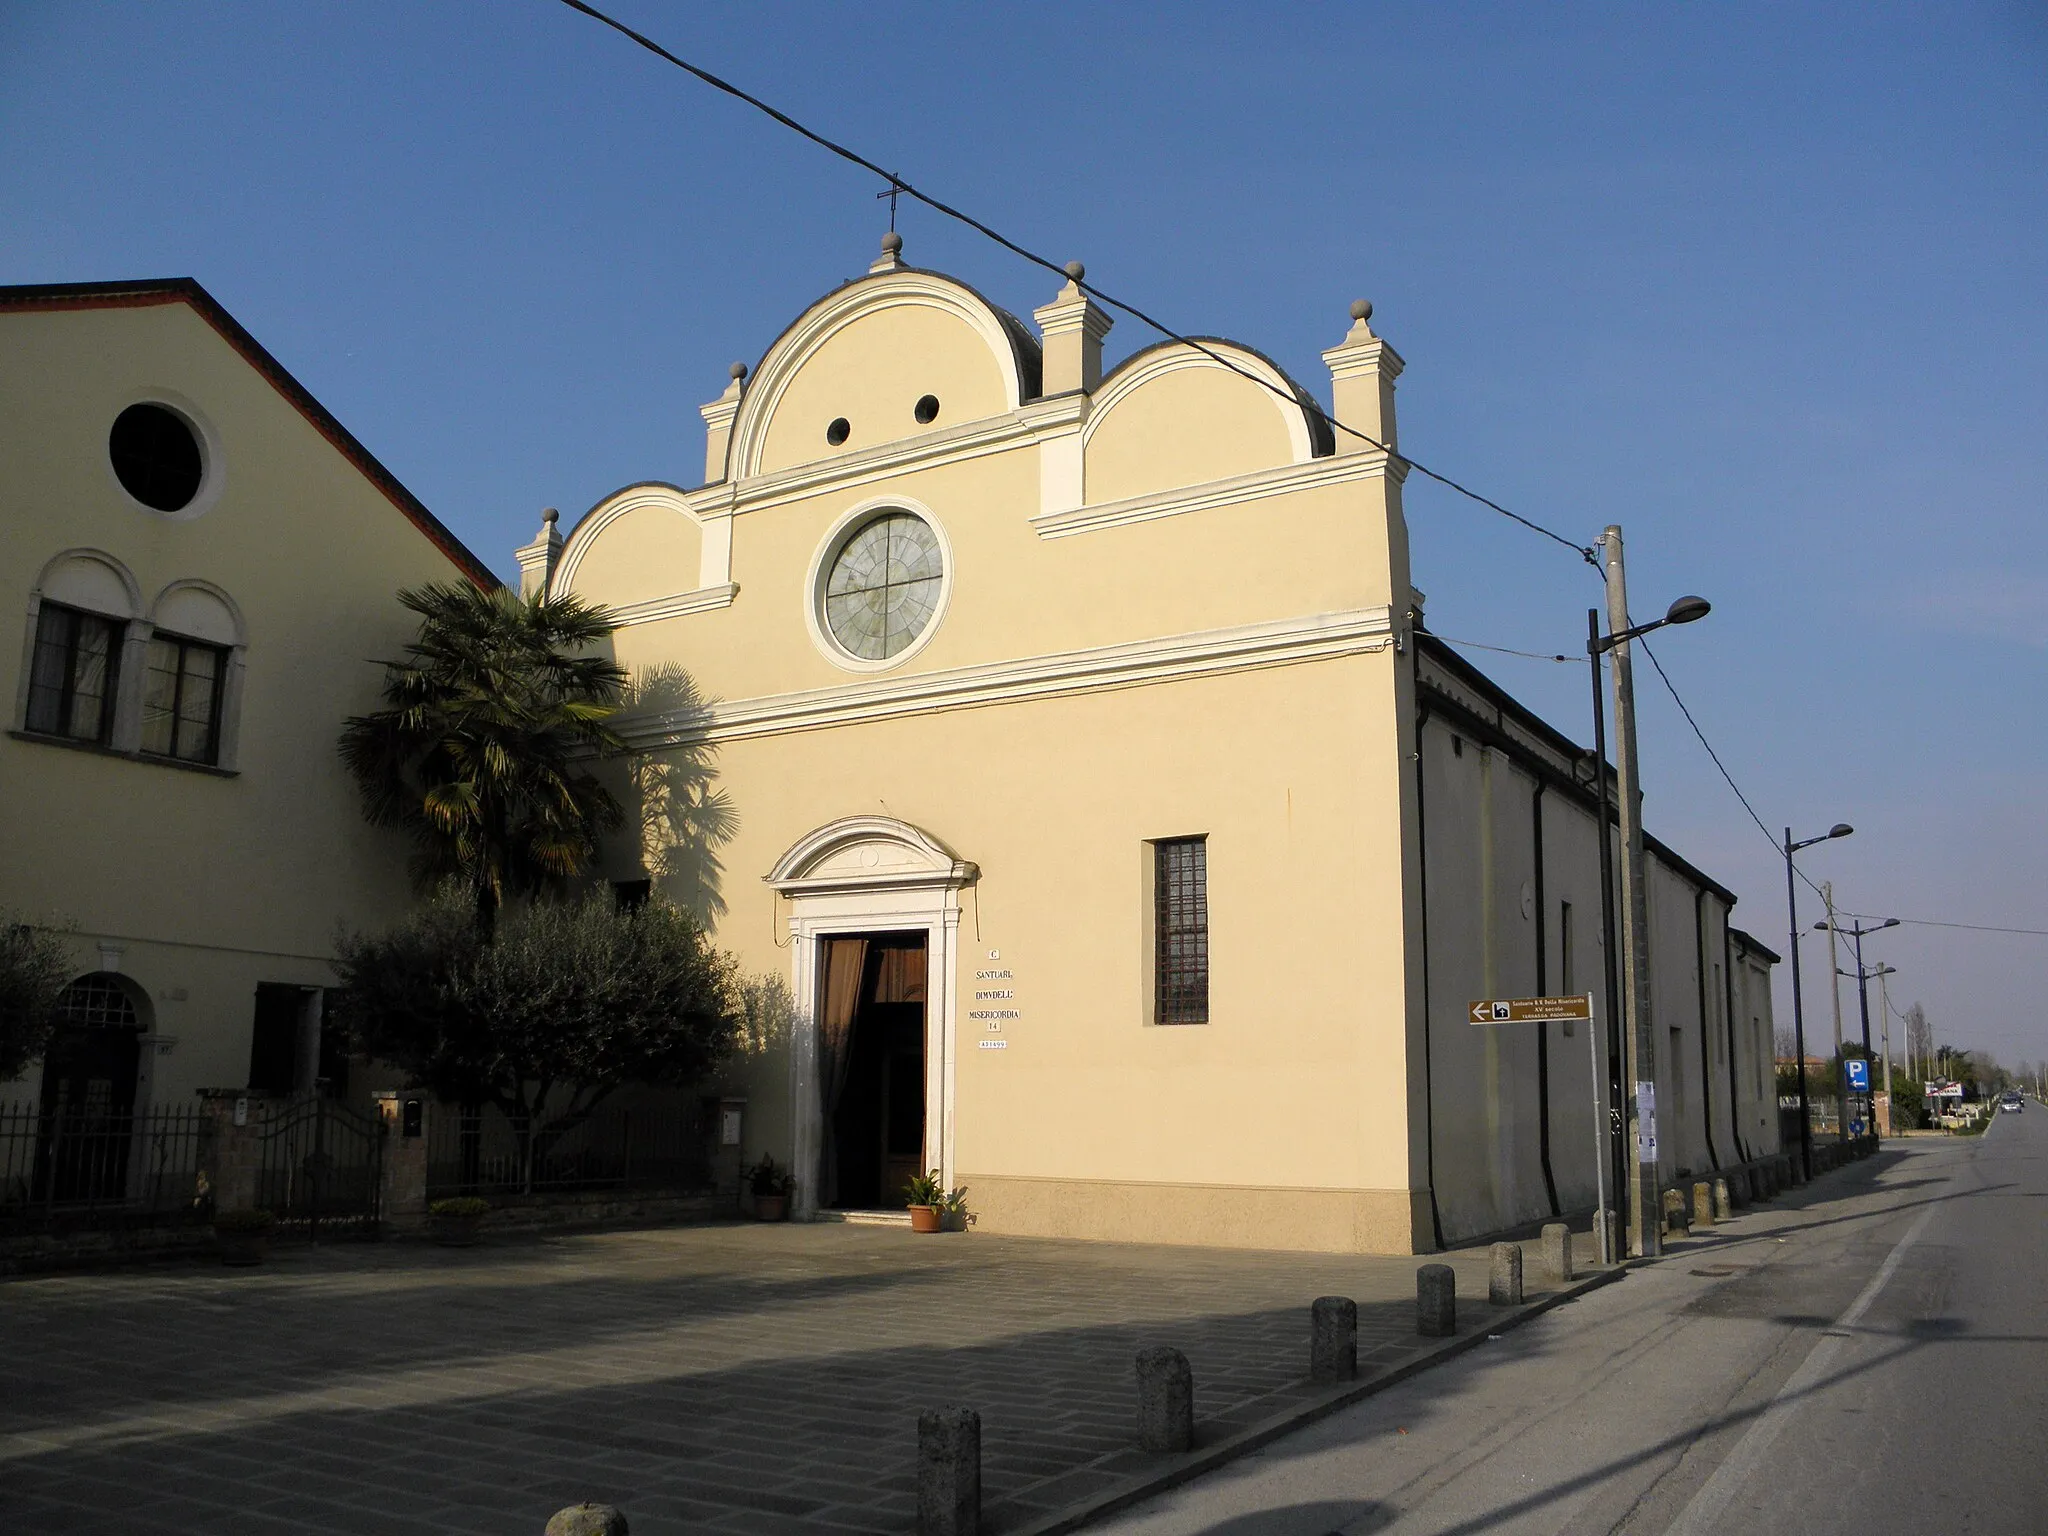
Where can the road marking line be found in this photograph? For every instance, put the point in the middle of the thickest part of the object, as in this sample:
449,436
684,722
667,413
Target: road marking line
1707,1506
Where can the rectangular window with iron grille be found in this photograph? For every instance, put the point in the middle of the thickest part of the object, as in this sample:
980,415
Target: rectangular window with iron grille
1180,927
181,699
71,682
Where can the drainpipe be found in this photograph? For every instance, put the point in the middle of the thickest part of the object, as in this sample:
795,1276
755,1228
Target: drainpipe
1728,1011
1542,990
1436,1217
1699,963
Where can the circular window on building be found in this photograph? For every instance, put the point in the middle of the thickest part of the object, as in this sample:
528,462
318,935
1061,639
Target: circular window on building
156,457
883,585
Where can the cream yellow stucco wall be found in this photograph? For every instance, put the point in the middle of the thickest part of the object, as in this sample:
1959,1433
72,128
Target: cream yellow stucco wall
201,883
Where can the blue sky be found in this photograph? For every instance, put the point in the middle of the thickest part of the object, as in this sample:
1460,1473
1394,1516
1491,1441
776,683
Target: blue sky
1763,283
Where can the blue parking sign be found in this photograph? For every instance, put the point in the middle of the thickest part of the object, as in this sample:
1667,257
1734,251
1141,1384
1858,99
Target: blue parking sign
1859,1074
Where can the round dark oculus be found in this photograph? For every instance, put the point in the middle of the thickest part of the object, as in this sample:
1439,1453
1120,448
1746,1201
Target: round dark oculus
839,430
156,457
927,410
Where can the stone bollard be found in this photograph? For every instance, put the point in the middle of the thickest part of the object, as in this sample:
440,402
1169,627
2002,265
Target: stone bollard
1617,1240
587,1520
1675,1213
1504,1279
1557,1250
1332,1339
1738,1188
1166,1400
1702,1204
949,1472
1724,1205
1436,1301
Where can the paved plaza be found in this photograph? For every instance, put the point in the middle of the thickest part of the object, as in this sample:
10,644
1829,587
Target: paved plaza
735,1378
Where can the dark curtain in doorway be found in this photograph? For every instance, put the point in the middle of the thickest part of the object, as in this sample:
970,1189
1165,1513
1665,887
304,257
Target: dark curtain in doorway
845,961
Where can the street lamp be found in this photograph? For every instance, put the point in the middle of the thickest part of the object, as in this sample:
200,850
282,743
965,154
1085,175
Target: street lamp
1839,829
1884,1019
1862,994
1631,995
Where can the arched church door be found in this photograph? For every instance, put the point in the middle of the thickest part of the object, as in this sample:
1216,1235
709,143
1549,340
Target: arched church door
89,1075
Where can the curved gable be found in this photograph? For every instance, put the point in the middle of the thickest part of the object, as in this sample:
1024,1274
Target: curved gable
867,354
1173,416
636,545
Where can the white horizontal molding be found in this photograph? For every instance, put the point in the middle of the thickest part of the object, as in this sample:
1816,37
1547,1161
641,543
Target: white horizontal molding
1284,642
927,450
1256,485
675,607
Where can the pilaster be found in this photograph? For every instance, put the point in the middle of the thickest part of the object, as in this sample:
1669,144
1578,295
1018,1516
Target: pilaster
1362,373
1071,329
537,560
718,419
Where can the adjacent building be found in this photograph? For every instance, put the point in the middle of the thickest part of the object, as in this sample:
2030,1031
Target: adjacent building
203,564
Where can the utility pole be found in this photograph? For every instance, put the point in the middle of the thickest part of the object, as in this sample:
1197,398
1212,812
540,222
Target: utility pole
1884,1012
1827,896
1646,1199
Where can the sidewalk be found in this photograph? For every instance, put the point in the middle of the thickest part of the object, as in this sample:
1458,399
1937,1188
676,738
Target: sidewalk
727,1378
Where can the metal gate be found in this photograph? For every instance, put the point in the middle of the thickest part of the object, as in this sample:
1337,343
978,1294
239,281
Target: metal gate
322,1167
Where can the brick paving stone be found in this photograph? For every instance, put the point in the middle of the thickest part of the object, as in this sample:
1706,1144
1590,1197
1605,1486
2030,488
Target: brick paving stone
742,1378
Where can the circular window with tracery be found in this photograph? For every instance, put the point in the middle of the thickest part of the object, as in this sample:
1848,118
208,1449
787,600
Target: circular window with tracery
883,586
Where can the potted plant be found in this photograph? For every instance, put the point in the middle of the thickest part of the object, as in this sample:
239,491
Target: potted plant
925,1195
244,1236
771,1184
457,1222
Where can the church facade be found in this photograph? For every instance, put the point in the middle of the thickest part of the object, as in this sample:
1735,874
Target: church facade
1068,744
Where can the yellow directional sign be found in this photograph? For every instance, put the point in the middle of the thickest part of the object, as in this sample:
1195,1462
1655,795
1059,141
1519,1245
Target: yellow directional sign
1531,1010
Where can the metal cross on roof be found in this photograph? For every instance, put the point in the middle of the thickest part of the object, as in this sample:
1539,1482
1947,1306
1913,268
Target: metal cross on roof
895,191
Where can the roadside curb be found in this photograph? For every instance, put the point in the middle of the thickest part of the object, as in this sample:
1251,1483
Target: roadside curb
1209,1457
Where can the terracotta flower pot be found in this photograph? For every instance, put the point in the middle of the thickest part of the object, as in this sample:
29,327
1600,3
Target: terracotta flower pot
771,1207
925,1218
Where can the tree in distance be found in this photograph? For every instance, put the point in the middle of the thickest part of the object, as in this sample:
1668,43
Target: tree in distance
481,750
35,967
545,1015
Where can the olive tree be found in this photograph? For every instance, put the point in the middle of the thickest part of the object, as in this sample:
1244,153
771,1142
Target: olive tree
35,967
546,1013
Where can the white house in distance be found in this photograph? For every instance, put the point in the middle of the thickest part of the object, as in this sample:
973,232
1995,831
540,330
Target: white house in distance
1082,761
203,563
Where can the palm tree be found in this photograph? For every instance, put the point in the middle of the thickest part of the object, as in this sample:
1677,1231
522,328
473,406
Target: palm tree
482,751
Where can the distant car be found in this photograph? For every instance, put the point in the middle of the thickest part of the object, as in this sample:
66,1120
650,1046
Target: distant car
2012,1104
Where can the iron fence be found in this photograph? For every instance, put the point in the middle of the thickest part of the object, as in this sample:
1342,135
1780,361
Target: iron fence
80,1165
485,1151
320,1167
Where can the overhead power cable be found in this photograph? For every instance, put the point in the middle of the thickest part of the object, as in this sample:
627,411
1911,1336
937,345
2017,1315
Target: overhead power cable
832,146
1477,645
1928,922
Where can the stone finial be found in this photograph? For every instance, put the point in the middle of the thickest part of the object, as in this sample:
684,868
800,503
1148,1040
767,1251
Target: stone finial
537,560
892,253
737,372
1362,373
1071,329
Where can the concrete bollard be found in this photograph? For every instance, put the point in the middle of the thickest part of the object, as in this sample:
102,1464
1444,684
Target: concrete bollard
1557,1250
1675,1213
949,1472
1332,1339
1724,1206
1436,1301
1617,1241
1702,1204
1738,1188
1166,1400
587,1520
1504,1279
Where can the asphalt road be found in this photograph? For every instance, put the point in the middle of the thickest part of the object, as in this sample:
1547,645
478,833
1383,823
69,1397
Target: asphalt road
1867,1355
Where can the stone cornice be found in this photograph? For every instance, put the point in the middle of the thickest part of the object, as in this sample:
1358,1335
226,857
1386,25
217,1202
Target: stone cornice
1259,484
1287,642
703,598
